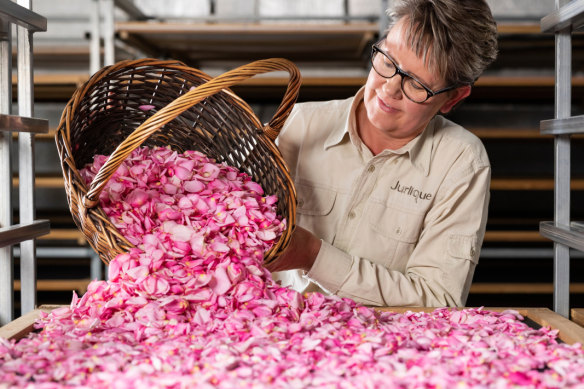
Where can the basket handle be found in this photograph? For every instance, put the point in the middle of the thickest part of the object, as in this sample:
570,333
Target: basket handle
191,98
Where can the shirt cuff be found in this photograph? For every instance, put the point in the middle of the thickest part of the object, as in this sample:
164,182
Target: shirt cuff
331,267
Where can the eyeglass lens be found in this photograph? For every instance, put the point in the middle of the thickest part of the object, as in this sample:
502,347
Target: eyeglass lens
386,68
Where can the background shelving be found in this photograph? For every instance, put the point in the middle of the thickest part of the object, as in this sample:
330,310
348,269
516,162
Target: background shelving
566,234
26,228
505,109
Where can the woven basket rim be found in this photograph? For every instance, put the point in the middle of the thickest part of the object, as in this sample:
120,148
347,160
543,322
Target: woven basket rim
88,215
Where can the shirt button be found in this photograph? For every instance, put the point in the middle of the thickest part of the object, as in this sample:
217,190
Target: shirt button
352,215
371,169
398,230
300,203
472,252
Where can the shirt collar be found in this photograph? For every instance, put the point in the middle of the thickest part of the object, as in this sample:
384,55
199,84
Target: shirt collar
418,149
350,125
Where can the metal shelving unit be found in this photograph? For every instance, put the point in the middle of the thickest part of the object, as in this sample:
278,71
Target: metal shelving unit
25,232
566,234
195,40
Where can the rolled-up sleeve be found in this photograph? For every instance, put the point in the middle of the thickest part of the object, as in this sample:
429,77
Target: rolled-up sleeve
331,268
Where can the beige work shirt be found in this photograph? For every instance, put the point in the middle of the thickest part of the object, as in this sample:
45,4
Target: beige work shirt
401,228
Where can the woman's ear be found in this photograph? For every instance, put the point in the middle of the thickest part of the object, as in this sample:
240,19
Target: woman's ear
456,96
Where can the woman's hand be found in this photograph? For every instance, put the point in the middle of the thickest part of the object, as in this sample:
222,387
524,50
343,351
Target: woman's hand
300,253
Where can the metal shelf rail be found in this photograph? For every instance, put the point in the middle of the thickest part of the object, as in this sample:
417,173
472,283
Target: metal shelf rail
190,39
27,23
567,17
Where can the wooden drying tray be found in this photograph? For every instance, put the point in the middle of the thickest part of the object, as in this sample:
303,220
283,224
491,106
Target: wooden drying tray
514,236
80,285
54,52
578,316
481,132
489,86
493,80
20,327
519,183
569,331
52,79
54,86
70,234
483,288
60,285
500,288
61,86
192,42
501,133
487,80
490,235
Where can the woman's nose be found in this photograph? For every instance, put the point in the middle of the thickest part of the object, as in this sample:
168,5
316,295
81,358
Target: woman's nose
392,87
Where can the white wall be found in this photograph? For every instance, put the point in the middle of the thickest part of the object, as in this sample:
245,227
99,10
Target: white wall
521,8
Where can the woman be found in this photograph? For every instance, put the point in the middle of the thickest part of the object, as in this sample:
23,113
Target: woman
392,197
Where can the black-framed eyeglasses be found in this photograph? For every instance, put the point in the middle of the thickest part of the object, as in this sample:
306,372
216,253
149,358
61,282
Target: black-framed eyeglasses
412,88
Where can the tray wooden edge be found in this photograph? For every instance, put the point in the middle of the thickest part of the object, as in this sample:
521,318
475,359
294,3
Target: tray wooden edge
569,331
21,326
578,316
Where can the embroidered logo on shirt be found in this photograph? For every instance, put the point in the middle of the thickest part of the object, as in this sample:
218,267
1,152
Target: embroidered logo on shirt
411,191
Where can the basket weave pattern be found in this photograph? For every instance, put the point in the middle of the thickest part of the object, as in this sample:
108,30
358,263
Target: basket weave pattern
151,102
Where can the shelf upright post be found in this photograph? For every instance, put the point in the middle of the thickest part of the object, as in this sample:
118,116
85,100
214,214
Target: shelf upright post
256,9
108,32
383,22
567,16
6,256
101,18
95,45
26,192
27,22
562,166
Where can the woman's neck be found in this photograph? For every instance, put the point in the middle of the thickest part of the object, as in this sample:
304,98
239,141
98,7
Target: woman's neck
375,140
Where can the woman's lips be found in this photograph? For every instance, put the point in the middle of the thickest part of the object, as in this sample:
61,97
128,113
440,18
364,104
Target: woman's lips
384,107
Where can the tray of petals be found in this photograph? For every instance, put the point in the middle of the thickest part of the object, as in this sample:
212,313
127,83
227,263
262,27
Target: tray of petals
393,346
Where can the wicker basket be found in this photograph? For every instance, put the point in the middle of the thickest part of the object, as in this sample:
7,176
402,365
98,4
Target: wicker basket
191,111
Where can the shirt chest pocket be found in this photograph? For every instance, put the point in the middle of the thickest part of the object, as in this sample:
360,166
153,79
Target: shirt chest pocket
315,210
393,235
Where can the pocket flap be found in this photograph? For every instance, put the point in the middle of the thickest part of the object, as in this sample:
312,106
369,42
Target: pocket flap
314,200
396,223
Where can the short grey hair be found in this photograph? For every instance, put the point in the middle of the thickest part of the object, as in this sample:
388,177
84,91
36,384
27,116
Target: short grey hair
458,38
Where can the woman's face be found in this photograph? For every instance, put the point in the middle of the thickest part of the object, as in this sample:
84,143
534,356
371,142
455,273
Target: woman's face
389,116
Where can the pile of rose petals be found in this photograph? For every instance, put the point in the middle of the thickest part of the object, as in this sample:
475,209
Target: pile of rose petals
192,306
